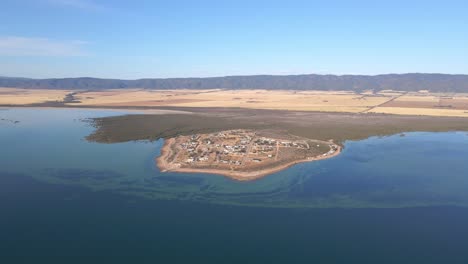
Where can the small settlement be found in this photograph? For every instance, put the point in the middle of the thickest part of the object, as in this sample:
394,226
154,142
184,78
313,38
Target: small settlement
240,150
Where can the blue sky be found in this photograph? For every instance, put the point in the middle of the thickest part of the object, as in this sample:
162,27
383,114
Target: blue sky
159,39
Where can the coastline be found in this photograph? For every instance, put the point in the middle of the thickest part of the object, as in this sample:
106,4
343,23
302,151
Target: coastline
166,151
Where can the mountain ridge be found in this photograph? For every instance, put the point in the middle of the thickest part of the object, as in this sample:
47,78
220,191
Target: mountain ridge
434,82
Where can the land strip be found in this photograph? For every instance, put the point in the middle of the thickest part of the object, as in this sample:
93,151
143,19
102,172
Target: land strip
321,126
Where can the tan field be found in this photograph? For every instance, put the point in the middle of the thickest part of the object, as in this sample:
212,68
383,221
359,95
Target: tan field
255,99
419,111
388,102
426,104
13,96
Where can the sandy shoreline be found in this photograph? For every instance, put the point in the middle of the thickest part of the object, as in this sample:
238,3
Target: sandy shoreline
166,152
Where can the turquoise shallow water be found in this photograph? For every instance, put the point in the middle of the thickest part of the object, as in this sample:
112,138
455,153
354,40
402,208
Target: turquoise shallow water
396,199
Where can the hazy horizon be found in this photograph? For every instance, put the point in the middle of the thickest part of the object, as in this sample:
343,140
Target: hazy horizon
224,76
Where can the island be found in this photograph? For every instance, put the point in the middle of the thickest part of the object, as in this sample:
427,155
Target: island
241,154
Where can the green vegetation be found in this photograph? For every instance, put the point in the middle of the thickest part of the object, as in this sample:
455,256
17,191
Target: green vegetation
323,126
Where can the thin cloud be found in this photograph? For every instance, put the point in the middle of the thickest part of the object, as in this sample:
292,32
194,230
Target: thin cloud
80,4
23,46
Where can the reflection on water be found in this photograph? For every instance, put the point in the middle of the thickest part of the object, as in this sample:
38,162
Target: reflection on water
418,169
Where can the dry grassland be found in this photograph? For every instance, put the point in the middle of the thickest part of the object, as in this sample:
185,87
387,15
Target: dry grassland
420,111
389,102
14,96
440,103
254,99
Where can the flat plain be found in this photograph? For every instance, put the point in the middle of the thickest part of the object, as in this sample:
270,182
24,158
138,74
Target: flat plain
18,97
385,102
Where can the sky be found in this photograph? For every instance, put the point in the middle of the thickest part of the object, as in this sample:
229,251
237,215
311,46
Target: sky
164,39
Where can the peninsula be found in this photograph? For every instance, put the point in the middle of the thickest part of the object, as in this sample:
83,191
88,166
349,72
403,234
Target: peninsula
241,154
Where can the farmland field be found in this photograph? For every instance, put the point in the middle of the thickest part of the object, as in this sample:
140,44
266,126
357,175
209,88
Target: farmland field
387,102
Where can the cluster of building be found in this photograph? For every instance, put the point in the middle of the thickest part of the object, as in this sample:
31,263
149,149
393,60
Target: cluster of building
191,145
224,147
294,144
333,149
233,148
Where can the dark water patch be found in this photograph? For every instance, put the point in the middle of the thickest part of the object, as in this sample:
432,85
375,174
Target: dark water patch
325,185
128,182
191,180
9,120
261,194
205,188
73,174
44,224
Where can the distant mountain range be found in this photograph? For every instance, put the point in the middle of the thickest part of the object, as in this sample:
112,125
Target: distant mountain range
401,82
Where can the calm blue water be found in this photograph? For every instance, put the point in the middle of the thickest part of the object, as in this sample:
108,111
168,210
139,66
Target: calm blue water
383,200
